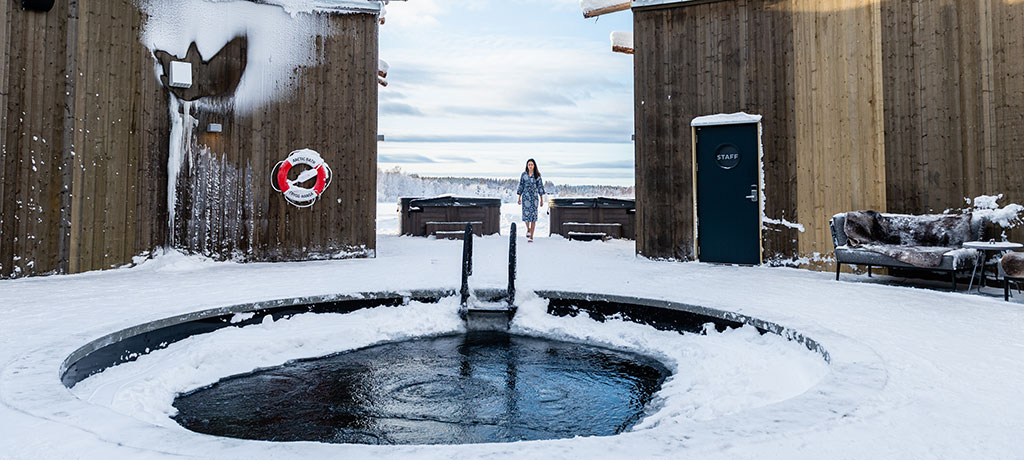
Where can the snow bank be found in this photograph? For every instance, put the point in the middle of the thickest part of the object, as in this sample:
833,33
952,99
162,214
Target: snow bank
145,389
712,375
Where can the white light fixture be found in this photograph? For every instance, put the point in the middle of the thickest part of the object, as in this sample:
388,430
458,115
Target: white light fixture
180,74
214,128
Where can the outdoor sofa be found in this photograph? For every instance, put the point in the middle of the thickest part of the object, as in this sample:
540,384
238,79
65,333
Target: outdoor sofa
907,237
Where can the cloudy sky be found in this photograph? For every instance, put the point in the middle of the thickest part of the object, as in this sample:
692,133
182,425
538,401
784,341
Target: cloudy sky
477,86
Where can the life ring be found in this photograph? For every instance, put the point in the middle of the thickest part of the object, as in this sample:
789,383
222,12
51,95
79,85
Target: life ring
294,193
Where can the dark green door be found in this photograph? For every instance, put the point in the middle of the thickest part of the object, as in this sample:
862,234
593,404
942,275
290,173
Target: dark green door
728,194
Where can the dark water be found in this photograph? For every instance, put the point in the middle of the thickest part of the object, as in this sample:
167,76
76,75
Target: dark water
480,387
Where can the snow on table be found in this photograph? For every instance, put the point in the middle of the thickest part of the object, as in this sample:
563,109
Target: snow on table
947,365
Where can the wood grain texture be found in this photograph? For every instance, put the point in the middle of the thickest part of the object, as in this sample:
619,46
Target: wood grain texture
954,98
33,126
839,142
120,140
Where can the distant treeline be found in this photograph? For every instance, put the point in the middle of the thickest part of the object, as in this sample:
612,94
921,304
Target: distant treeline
394,183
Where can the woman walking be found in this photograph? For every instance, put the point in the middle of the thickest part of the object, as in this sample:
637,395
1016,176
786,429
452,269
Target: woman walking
531,192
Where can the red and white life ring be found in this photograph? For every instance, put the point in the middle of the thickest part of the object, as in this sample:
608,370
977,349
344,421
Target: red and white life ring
294,193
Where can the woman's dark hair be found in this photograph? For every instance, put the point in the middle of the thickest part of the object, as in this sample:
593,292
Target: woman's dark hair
536,170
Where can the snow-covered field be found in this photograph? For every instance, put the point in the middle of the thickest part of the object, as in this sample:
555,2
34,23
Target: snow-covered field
914,373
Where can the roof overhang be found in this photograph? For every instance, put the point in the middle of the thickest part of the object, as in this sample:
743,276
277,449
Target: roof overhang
645,4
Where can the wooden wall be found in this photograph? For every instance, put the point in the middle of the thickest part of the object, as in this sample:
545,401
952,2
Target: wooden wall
839,127
954,102
719,57
898,105
81,150
31,139
85,140
119,184
226,206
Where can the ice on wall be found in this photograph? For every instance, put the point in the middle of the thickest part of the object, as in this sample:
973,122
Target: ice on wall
281,38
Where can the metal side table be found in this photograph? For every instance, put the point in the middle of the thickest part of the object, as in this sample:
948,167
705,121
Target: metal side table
986,247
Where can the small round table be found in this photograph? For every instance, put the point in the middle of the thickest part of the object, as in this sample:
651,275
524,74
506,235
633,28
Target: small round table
985,247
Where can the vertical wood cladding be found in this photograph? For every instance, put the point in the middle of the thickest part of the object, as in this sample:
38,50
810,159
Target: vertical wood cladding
32,95
954,100
899,105
226,206
839,127
84,140
119,140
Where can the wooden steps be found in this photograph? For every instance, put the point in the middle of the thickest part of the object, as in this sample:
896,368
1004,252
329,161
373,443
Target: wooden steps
453,230
586,231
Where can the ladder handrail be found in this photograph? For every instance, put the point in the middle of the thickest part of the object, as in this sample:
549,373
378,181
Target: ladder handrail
512,266
467,262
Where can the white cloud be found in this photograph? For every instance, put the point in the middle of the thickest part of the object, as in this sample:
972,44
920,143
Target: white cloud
413,14
561,88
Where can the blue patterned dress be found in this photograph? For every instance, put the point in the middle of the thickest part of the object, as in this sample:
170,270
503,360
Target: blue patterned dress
530,188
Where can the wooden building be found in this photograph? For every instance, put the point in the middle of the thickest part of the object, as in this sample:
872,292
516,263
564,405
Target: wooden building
89,125
903,106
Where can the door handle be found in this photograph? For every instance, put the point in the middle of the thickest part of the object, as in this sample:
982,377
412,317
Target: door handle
753,194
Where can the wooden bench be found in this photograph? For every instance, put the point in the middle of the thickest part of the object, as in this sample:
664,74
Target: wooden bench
585,236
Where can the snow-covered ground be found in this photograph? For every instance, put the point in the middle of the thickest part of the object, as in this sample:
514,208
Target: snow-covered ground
914,373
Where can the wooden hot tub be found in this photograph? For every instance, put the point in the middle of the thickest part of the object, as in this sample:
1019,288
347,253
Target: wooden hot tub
446,216
593,218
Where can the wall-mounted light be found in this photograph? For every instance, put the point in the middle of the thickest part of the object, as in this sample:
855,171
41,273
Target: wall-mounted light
214,128
380,138
180,74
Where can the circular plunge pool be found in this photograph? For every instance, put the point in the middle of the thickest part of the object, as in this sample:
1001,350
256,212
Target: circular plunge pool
445,387
455,389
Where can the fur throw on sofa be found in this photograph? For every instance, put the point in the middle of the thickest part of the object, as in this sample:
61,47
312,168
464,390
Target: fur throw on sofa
917,240
1013,264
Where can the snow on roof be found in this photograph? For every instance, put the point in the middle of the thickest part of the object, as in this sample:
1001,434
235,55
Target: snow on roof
623,39
592,8
737,118
643,3
294,7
